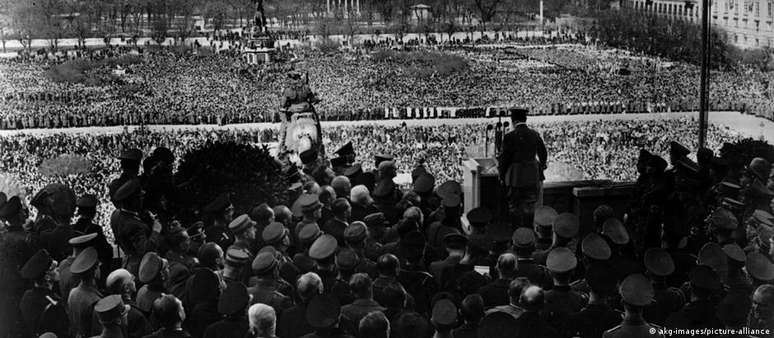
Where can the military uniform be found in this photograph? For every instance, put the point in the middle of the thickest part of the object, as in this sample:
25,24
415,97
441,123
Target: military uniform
81,300
56,241
593,320
36,305
269,292
495,293
293,323
15,250
134,236
521,164
635,290
351,314
633,329
85,226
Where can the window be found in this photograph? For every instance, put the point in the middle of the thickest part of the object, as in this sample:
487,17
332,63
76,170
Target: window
757,9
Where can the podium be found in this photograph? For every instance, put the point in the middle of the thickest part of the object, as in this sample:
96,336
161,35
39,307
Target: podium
481,186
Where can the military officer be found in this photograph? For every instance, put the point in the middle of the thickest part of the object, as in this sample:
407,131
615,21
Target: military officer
81,300
521,164
68,281
523,241
232,304
222,212
269,288
323,314
130,169
355,237
112,314
38,303
15,251
134,235
87,211
322,252
666,299
154,272
544,221
701,310
561,300
637,292
596,317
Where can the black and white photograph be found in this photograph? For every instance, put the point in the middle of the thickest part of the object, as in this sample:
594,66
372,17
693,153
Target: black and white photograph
386,168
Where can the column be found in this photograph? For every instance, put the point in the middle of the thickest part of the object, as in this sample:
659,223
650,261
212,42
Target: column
328,7
357,5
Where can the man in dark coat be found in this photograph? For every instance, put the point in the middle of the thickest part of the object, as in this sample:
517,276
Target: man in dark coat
323,315
233,305
351,314
15,251
133,233
169,312
222,212
496,292
87,210
521,165
130,169
293,322
41,299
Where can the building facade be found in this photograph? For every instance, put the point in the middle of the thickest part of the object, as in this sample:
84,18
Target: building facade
745,23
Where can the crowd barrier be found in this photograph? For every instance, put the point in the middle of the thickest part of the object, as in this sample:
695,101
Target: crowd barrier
759,109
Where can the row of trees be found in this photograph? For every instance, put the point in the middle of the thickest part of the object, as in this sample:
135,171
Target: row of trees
56,19
656,35
673,39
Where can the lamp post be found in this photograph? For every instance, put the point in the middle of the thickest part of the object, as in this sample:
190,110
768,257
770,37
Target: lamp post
705,73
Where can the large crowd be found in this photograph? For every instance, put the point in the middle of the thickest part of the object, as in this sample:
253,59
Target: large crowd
175,88
599,150
339,259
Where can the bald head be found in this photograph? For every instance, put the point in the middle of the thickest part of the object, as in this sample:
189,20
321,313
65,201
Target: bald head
506,265
532,298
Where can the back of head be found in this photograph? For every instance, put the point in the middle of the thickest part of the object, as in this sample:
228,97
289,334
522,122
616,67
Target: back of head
361,285
387,265
263,320
327,194
506,265
374,325
262,214
412,325
516,289
532,298
518,114
209,253
340,206
341,185
360,195
282,213
168,311
309,285
472,308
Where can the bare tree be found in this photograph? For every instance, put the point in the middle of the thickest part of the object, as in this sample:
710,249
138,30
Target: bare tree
486,10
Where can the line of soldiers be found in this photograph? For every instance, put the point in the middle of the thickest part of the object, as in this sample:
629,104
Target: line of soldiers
346,259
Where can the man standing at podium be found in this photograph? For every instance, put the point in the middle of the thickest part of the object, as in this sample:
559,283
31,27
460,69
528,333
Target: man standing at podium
521,165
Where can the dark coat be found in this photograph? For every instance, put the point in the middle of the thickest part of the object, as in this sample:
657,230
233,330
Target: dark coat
293,323
495,293
227,328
